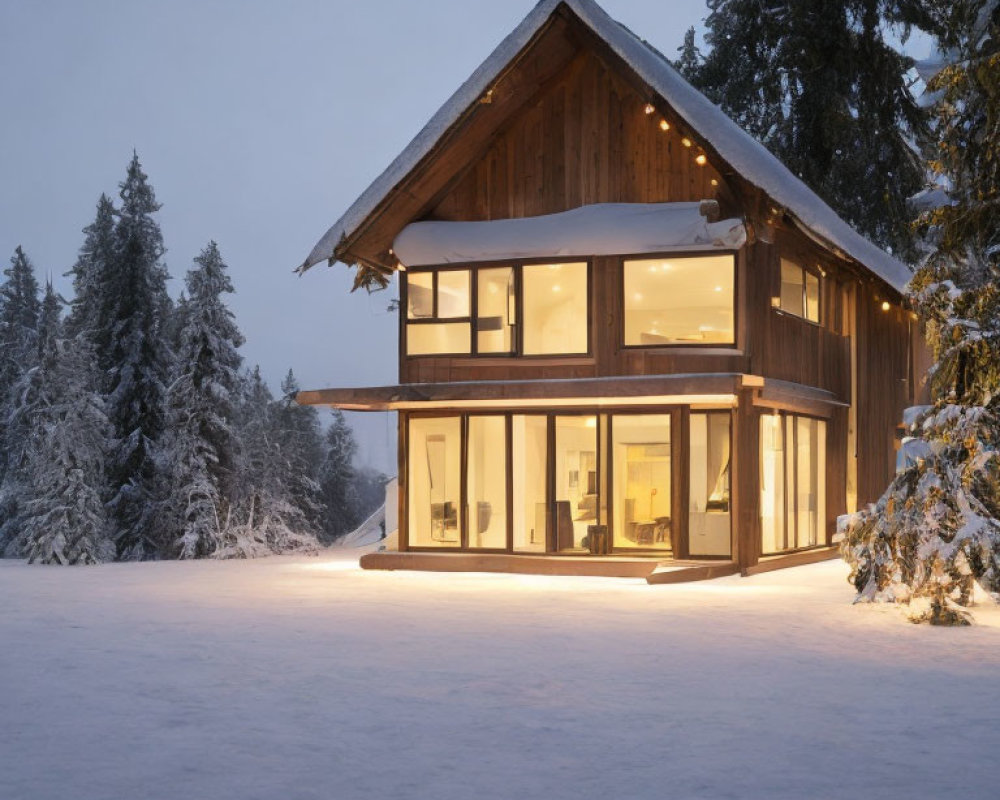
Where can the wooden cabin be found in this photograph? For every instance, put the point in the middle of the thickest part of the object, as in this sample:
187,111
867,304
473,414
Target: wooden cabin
628,335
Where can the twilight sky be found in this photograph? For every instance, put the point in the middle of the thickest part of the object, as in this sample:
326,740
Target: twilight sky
258,123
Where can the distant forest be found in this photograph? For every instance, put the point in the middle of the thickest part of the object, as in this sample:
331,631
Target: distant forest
131,429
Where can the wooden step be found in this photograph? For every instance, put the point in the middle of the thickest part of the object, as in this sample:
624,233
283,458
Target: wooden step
671,573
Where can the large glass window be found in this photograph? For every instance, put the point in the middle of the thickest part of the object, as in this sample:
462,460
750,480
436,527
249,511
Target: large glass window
641,468
435,479
793,482
529,461
487,482
555,308
799,291
576,481
708,510
671,301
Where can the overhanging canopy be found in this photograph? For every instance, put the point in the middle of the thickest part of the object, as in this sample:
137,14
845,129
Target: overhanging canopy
595,230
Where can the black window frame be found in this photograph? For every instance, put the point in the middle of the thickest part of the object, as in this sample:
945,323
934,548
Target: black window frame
517,339
734,254
818,275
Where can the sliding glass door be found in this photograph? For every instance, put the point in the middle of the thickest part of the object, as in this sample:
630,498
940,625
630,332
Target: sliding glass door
576,481
641,467
486,482
529,461
709,525
435,482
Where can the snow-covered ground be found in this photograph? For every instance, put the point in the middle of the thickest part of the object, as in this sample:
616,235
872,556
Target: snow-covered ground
307,678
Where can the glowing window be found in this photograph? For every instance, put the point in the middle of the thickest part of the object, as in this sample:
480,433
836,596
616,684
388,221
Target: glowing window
680,301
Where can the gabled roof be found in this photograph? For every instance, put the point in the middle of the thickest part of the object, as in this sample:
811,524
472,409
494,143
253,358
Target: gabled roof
744,154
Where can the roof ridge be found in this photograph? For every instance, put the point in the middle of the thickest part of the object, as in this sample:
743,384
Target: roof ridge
747,156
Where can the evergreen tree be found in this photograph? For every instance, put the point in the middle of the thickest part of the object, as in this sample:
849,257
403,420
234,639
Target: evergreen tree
935,532
63,519
819,86
200,448
338,481
19,312
691,58
297,433
134,362
91,273
265,516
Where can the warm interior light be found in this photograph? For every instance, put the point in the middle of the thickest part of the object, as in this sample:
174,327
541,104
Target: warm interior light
664,125
775,302
557,288
649,108
590,422
686,142
700,159
718,288
885,305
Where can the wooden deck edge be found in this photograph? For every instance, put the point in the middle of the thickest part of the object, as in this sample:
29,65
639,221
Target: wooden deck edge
793,560
691,574
519,564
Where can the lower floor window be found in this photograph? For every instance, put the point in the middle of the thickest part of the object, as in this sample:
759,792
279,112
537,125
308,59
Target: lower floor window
565,482
792,482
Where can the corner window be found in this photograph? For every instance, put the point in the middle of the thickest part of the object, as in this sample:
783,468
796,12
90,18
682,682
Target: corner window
680,301
438,312
799,291
792,482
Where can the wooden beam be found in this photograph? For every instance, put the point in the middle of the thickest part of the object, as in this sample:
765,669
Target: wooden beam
382,398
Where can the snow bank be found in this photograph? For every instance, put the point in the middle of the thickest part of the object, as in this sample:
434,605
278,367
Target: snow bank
595,230
308,679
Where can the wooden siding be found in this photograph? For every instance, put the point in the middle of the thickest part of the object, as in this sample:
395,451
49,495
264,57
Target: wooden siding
884,389
587,139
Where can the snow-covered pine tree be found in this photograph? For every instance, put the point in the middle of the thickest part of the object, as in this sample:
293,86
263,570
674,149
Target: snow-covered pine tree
818,84
91,273
266,515
134,365
62,518
297,432
19,312
200,448
337,481
935,533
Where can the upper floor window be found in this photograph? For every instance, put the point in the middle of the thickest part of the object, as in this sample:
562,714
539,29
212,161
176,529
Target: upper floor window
477,311
555,308
799,291
438,312
680,301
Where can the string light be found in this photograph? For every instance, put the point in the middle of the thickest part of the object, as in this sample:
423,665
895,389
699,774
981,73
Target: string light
700,159
686,142
649,109
885,305
664,125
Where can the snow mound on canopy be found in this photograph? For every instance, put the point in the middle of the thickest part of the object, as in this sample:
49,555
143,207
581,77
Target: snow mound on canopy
592,230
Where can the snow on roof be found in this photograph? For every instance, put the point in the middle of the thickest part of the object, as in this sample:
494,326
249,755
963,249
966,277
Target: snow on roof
596,230
741,151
